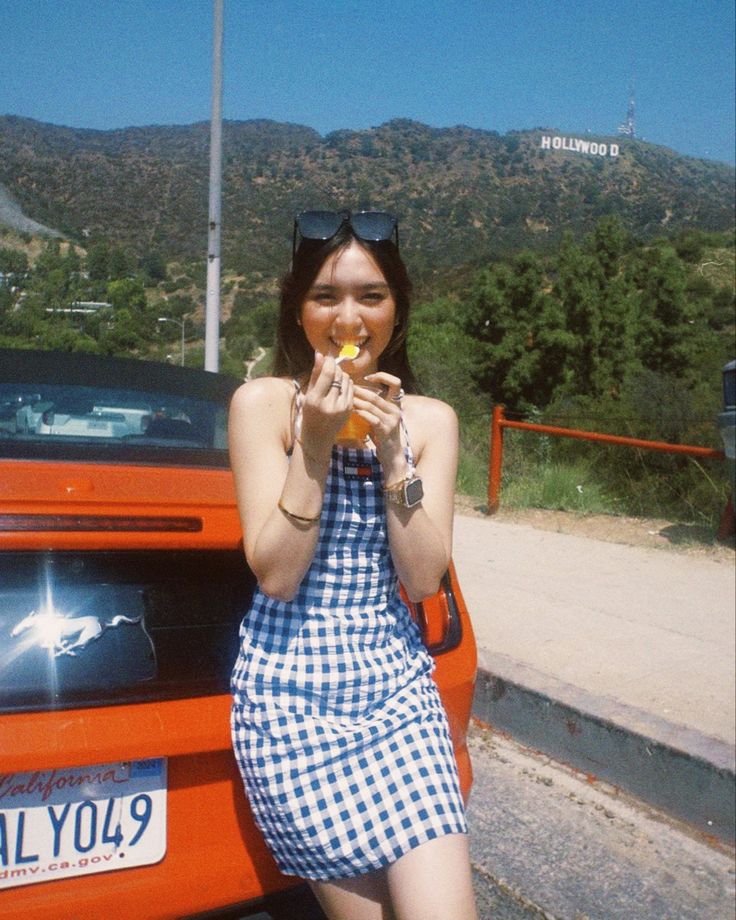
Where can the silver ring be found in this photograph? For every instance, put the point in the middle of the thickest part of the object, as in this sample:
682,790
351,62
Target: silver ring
399,396
336,385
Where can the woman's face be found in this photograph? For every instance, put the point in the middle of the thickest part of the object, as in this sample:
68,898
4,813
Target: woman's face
350,301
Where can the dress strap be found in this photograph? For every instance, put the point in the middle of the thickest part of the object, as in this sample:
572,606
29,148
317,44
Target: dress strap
298,403
408,453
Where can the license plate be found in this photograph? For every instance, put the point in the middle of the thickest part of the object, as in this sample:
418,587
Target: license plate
81,820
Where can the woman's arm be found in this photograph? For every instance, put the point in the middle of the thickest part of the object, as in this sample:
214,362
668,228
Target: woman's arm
421,537
280,500
278,551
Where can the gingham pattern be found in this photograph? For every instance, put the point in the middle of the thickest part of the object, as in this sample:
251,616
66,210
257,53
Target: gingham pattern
337,725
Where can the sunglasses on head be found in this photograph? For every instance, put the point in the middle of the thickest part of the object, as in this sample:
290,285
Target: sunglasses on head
371,226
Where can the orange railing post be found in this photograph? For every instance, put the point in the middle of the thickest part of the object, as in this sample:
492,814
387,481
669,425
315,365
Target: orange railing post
495,460
499,422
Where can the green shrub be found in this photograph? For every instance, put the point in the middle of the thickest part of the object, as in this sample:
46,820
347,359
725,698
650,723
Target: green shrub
558,487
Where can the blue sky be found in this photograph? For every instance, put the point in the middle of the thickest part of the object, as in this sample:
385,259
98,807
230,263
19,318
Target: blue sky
493,64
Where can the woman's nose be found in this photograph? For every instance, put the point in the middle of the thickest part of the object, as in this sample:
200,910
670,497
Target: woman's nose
348,312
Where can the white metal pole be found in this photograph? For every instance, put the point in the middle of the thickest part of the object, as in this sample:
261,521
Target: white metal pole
212,311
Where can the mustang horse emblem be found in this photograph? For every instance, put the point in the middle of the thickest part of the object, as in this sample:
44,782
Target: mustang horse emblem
64,634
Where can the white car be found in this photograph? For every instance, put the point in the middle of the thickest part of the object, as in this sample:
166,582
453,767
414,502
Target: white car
137,417
83,425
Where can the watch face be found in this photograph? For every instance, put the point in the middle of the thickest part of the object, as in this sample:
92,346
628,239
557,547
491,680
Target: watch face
414,492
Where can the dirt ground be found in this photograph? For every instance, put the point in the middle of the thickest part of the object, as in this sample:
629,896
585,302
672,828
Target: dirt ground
654,532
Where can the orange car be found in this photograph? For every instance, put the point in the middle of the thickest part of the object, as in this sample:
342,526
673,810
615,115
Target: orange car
122,582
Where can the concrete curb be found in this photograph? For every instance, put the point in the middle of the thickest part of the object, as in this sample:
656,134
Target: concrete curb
673,768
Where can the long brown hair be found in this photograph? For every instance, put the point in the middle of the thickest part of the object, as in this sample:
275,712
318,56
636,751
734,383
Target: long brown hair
294,356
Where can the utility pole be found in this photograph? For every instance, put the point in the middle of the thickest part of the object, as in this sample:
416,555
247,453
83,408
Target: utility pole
212,311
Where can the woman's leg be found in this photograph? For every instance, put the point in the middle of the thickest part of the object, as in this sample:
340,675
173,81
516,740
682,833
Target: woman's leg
365,897
433,881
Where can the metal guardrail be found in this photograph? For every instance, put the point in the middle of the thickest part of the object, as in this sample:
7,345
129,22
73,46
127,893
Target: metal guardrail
499,422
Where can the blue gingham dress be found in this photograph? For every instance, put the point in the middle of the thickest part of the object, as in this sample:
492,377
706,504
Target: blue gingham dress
338,729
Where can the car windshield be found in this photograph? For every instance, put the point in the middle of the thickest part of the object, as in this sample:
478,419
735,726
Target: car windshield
153,414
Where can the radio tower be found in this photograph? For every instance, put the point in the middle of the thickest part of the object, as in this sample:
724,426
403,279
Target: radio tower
628,128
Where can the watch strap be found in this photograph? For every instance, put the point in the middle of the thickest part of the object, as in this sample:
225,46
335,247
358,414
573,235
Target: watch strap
407,493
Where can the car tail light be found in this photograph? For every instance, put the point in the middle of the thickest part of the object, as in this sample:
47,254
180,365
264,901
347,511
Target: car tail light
438,617
91,522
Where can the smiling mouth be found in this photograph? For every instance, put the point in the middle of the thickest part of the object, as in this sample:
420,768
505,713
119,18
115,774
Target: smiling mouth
359,343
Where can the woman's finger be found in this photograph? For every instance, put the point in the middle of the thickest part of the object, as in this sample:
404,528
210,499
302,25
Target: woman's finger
341,387
319,360
323,377
378,397
383,415
388,383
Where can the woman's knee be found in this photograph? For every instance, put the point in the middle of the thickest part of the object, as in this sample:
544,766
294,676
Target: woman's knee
434,881
364,897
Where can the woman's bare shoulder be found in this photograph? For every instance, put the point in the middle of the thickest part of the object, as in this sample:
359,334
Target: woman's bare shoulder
262,409
428,412
264,394
429,421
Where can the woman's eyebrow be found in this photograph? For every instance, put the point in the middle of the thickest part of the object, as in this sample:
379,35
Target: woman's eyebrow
329,288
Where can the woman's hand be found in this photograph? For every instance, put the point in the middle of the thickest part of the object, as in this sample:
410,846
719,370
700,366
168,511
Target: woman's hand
327,404
379,404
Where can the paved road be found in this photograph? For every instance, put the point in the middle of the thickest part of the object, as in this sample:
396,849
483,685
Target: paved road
648,636
548,843
647,631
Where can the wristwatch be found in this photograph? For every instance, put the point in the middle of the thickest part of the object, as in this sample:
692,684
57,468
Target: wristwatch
407,493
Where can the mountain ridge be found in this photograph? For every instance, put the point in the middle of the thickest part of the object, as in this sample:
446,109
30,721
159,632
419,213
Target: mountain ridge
464,194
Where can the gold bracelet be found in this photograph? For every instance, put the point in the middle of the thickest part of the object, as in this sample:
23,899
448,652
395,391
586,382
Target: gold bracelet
395,485
298,517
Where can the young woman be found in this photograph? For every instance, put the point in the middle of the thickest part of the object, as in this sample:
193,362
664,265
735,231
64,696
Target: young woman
337,725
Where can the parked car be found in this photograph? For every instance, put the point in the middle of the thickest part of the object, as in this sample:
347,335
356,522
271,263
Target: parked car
122,583
727,418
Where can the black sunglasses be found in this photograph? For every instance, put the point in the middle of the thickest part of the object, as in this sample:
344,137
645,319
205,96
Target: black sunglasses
370,226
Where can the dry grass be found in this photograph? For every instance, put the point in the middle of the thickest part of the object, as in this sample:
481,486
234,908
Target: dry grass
656,533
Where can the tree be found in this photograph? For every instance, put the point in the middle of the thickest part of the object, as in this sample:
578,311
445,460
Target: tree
153,267
123,335
6,300
579,280
521,333
254,320
446,362
64,337
98,256
609,243
127,293
118,264
664,332
13,261
56,277
72,262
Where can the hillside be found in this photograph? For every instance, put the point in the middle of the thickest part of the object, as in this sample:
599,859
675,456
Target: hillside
463,195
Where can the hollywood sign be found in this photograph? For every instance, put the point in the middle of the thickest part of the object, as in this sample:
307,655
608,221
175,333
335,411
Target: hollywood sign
577,145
